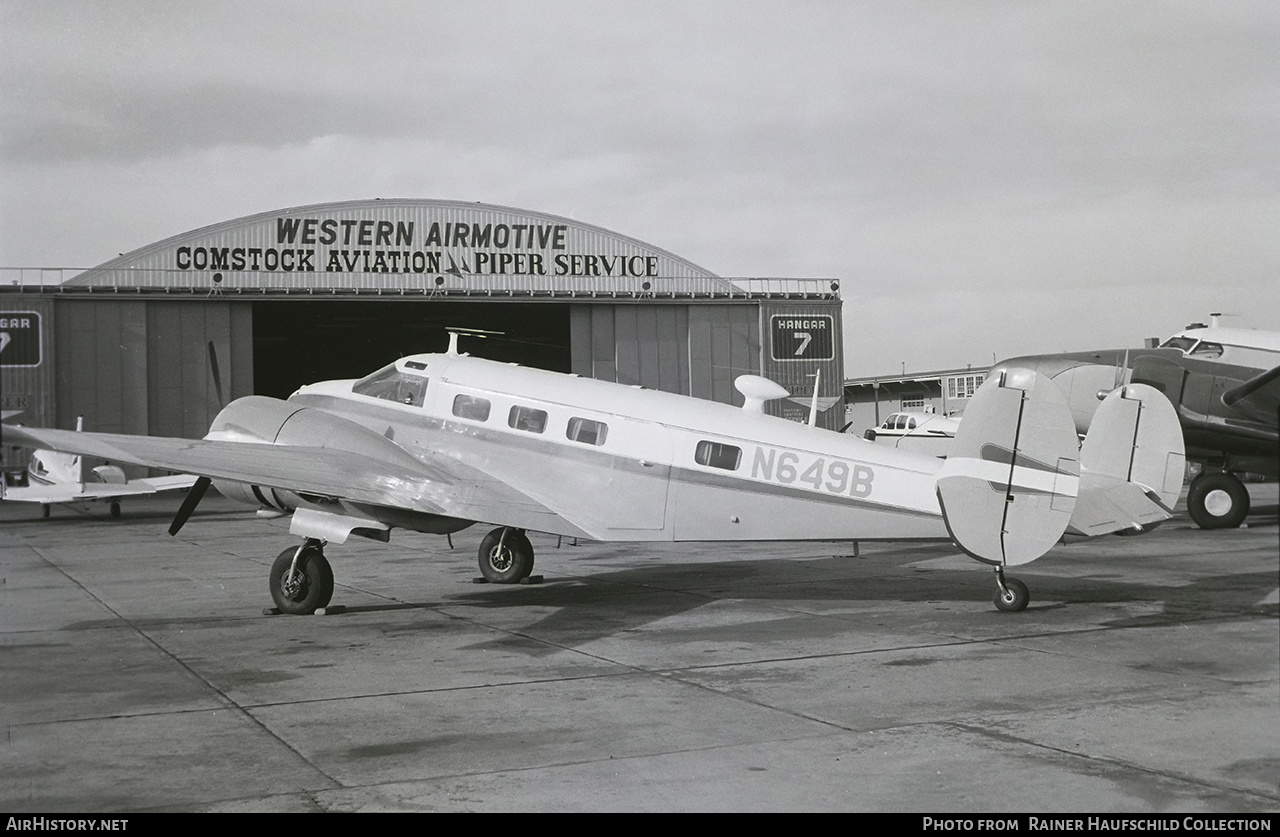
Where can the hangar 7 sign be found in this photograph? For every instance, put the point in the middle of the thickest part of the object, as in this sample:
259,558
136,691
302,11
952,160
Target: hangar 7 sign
802,337
19,338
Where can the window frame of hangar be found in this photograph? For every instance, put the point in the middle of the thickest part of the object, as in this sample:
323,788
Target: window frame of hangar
471,407
394,385
586,431
712,454
913,404
527,419
964,386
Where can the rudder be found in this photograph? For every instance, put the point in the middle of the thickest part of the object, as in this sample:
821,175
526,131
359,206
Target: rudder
1009,485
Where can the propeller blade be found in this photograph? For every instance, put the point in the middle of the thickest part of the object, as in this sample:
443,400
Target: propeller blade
189,505
217,378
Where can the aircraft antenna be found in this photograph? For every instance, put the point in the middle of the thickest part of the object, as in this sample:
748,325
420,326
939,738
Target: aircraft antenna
813,403
455,333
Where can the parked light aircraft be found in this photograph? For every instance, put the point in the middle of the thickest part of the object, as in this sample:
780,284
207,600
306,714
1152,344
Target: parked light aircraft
60,478
916,431
1229,412
437,442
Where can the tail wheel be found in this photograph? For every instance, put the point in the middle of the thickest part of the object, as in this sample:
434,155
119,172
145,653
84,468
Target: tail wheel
310,584
1217,500
1012,596
505,560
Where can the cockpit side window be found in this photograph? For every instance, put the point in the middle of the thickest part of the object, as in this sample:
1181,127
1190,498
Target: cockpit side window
390,384
1207,349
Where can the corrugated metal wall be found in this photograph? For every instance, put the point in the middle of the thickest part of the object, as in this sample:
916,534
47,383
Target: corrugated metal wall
143,367
693,350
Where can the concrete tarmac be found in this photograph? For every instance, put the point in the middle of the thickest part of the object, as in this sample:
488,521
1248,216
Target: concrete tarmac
139,673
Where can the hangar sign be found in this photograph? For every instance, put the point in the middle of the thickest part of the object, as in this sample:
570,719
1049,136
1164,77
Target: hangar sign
364,245
802,337
19,338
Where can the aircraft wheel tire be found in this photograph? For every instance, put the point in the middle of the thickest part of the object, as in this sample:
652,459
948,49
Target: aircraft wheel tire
1014,597
1217,500
303,595
505,563
115,510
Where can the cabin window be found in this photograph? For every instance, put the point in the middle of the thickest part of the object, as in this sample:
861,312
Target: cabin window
471,407
718,455
527,419
587,431
391,384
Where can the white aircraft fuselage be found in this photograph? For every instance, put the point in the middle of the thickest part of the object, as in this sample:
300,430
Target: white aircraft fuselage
655,466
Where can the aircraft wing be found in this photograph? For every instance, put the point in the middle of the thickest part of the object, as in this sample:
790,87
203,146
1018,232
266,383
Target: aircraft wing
394,479
1258,398
76,493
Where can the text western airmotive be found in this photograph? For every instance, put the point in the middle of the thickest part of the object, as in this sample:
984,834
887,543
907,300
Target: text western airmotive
365,233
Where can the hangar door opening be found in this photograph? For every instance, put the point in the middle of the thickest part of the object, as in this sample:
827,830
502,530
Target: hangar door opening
301,342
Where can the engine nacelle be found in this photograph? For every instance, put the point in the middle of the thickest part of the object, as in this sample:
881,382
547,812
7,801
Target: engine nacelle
257,496
110,474
261,420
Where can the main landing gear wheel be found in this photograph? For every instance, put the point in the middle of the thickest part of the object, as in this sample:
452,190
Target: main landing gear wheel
506,556
300,587
1217,500
1011,595
115,509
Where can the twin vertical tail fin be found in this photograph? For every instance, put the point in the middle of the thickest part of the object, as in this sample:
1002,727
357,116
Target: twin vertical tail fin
1009,485
1132,463
1017,479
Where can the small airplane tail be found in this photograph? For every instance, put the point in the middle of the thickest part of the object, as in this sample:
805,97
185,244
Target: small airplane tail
1009,485
1132,463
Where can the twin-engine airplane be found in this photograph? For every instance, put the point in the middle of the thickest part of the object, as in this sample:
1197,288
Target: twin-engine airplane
438,442
61,479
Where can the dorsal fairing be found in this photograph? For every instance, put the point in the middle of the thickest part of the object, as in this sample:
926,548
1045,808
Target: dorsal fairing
757,390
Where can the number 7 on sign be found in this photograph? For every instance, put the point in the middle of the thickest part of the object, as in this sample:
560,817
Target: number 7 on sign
804,337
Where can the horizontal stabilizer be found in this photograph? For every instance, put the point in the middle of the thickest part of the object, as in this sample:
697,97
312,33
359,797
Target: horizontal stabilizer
1132,463
1009,484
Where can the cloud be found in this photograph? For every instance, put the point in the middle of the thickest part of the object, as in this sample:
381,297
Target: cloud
972,161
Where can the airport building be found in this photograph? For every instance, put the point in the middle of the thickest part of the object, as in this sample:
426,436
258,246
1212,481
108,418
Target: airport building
155,341
869,401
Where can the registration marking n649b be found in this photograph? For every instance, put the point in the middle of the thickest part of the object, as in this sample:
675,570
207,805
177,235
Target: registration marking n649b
829,475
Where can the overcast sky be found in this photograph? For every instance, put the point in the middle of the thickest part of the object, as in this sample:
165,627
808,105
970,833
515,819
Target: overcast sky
985,179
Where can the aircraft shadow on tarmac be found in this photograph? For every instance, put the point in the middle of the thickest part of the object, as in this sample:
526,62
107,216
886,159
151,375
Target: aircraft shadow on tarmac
611,603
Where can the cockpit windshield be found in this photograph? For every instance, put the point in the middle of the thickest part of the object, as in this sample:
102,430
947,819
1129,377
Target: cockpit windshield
391,384
1192,347
1182,344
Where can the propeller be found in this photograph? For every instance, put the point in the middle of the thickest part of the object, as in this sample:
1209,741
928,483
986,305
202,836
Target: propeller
217,377
196,494
189,505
